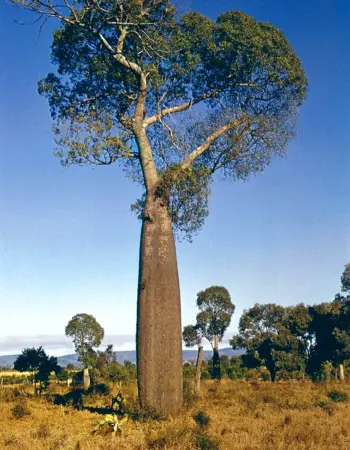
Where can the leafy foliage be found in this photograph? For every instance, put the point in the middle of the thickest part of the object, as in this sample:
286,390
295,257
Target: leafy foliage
37,360
216,310
274,336
190,336
345,279
213,95
87,333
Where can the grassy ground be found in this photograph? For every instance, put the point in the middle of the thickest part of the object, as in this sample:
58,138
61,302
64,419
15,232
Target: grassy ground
230,415
13,373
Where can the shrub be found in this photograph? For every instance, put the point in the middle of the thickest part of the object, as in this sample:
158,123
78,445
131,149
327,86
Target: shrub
19,411
43,431
203,442
338,396
201,419
205,375
99,389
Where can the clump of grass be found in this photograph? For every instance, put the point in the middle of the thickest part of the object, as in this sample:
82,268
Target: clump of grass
201,419
158,443
326,406
20,410
204,442
43,431
338,396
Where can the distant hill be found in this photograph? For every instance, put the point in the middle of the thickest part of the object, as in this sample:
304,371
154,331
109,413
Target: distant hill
187,355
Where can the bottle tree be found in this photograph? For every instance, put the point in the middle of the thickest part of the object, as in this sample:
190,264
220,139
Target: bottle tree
176,98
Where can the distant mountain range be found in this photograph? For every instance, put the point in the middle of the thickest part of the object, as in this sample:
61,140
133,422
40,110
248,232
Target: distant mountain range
187,355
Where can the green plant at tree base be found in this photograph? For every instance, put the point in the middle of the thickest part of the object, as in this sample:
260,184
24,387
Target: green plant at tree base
113,421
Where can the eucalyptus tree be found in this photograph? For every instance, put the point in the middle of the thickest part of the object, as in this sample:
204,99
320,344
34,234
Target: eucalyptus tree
191,337
330,328
87,334
274,336
176,98
216,309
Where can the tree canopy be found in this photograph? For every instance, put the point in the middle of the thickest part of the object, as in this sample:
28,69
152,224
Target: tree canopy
215,314
274,336
215,94
36,360
87,334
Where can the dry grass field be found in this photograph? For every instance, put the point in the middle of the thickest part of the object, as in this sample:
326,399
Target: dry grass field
230,415
13,373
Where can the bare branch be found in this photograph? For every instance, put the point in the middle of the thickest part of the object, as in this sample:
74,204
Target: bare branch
187,162
175,109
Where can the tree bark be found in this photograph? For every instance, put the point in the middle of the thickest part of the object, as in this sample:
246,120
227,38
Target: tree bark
86,379
341,373
216,359
197,380
158,336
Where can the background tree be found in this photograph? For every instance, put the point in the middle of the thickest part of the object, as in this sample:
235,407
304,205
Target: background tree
87,334
330,329
36,361
274,336
176,99
105,358
345,279
216,310
191,337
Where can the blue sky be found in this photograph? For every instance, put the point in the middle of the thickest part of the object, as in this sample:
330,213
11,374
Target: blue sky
69,244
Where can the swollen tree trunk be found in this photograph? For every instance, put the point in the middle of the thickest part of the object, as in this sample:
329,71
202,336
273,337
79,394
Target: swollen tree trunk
197,380
159,339
86,379
341,373
216,359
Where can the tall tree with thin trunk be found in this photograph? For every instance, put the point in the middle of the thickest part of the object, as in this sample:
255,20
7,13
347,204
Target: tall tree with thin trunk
87,334
215,315
176,99
191,337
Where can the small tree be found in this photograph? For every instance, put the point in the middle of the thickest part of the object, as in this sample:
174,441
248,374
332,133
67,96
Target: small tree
216,310
104,359
191,337
37,362
87,334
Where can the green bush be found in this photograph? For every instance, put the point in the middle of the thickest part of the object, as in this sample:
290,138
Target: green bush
338,396
206,443
202,419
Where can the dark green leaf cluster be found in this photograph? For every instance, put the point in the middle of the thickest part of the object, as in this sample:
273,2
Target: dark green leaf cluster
274,336
345,279
32,359
216,310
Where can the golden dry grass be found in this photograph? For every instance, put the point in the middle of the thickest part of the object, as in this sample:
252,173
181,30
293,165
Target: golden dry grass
244,416
13,373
